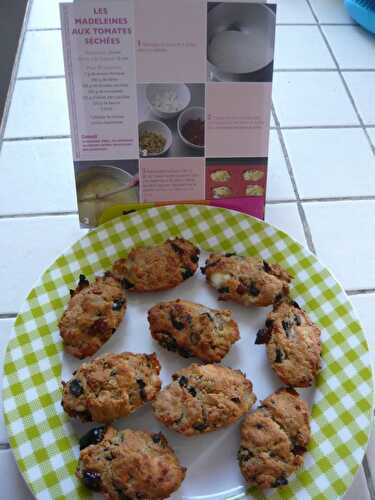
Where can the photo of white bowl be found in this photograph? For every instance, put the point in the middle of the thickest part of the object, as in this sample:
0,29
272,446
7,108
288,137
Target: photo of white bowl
240,40
156,136
190,114
167,100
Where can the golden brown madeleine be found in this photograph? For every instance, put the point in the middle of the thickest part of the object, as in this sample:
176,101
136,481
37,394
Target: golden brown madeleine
93,314
249,281
129,464
111,386
193,329
160,267
203,399
293,344
274,439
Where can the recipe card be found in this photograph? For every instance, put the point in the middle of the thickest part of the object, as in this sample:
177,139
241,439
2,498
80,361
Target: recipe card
169,101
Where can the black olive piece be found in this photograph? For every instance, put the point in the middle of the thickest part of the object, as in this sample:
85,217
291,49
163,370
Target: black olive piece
85,416
236,400
297,320
187,273
192,391
200,427
269,323
71,292
176,248
223,289
295,304
279,356
184,352
117,304
278,297
263,336
157,437
280,481
230,254
113,373
92,480
259,426
179,325
94,436
183,381
287,327
75,388
253,290
142,385
194,259
169,343
298,450
83,281
203,270
266,267
122,495
126,284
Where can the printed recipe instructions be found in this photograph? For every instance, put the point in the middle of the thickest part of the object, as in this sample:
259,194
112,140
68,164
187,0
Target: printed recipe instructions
168,108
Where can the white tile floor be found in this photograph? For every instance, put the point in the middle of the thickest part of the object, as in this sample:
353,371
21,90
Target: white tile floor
330,11
362,87
42,54
343,234
312,98
325,150
356,54
343,161
30,97
30,254
301,47
371,133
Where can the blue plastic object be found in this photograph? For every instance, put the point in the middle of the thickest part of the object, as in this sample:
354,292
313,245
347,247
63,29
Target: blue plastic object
363,12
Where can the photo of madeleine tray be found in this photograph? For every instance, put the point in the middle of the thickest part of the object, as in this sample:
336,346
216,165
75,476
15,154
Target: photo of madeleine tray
145,407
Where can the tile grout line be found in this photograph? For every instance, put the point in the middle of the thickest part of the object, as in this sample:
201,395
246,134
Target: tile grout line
13,78
325,70
368,475
8,315
300,208
363,291
351,98
36,138
38,214
46,77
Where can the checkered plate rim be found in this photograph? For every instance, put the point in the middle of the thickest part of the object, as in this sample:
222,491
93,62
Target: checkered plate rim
43,445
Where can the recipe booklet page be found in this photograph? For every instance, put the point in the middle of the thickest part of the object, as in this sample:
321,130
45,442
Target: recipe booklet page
169,101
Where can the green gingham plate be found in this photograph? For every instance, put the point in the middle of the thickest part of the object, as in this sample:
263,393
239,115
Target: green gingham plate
43,439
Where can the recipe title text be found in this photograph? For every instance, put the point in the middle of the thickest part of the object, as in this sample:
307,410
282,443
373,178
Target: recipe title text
101,29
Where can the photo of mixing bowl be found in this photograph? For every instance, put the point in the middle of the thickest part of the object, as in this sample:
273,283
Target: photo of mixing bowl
240,40
102,186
